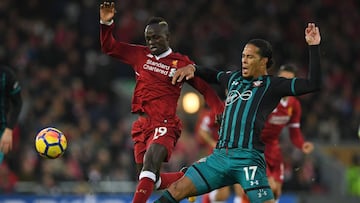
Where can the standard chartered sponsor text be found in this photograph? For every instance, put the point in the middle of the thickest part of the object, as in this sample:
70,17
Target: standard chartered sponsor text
156,67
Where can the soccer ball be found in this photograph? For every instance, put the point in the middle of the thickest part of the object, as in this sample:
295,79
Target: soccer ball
50,143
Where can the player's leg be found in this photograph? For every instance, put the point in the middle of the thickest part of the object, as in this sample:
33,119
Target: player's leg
275,173
168,140
205,198
249,168
278,191
240,196
220,195
202,177
153,159
178,190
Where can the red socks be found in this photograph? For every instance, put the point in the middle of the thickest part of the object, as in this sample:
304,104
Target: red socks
146,185
168,178
143,190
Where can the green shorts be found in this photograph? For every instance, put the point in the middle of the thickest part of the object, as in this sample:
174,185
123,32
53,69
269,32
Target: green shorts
229,166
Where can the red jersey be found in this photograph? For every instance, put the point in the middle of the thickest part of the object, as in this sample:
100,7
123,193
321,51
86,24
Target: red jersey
154,94
206,122
287,113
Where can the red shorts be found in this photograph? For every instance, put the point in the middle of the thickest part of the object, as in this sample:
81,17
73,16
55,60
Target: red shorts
275,169
146,131
274,163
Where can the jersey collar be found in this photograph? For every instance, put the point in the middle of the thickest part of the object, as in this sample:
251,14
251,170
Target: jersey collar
165,54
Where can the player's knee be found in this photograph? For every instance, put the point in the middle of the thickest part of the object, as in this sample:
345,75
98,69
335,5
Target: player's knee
154,157
220,194
147,174
182,188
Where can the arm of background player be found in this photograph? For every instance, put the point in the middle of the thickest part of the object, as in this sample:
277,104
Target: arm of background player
298,140
207,137
211,98
296,135
204,130
16,104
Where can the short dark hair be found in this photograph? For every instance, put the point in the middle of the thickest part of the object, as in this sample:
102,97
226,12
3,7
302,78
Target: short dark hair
157,20
289,68
265,50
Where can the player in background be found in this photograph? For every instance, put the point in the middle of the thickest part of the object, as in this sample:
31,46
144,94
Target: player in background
10,107
252,96
155,99
286,114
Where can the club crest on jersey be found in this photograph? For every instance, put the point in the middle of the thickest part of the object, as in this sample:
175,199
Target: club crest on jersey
174,63
257,83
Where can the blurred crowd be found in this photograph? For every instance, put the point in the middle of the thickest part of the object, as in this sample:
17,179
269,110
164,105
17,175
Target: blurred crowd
69,84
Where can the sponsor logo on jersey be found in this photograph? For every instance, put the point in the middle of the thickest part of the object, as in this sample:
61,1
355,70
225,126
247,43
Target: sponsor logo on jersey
156,67
234,95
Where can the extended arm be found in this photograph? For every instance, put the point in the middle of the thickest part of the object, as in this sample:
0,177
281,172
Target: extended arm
16,103
109,45
313,82
188,72
211,98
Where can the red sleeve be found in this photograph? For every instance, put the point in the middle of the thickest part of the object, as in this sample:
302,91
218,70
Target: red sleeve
211,98
296,135
125,52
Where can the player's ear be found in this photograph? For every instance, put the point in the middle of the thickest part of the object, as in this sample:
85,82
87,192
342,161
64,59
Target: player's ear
264,61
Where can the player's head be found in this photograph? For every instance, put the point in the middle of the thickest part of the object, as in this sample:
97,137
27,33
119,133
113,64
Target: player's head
287,71
157,35
256,58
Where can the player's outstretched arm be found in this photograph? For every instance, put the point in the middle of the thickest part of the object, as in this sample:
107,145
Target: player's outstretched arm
107,12
190,71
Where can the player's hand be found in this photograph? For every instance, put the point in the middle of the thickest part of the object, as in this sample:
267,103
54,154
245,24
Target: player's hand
107,11
307,147
6,141
312,34
186,72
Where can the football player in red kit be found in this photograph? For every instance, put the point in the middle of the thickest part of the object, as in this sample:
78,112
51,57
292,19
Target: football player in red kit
287,113
158,128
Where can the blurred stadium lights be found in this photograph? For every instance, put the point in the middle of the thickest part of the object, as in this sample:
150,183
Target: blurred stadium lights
191,102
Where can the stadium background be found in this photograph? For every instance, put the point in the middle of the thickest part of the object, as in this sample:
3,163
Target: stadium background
68,83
